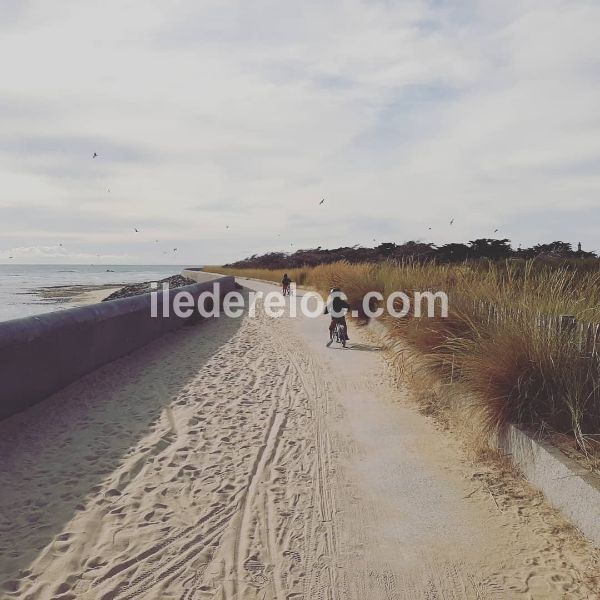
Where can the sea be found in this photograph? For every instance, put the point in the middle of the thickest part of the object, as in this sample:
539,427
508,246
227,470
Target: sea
20,284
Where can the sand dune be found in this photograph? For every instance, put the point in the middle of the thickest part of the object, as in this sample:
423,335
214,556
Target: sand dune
242,459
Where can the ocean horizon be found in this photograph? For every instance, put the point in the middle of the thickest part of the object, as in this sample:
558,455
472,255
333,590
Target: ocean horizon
21,285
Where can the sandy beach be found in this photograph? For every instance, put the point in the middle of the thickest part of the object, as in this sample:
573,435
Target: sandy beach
243,459
92,296
75,294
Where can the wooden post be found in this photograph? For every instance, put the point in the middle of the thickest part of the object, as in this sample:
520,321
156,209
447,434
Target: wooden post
566,323
595,338
587,336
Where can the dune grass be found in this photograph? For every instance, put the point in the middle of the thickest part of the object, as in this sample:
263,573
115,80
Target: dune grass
501,346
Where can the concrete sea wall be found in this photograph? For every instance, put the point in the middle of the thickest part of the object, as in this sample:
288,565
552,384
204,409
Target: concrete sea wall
41,354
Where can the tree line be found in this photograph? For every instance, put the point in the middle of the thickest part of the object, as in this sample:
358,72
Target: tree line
482,248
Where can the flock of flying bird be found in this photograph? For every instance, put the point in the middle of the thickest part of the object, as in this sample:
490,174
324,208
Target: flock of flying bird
136,230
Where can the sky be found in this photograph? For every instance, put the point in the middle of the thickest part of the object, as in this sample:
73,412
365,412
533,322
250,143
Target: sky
220,125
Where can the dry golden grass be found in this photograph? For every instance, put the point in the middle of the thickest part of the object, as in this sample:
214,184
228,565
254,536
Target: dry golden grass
499,342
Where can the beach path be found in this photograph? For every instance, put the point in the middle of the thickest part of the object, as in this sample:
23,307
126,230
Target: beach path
243,459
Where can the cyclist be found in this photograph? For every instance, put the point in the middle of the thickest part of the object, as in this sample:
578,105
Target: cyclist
338,308
285,282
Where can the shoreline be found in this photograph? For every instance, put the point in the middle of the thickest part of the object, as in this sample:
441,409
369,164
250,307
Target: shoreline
84,298
76,295
85,294
29,290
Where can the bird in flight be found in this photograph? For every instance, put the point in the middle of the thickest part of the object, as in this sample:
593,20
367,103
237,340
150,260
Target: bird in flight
174,249
226,226
95,155
452,221
136,229
495,230
429,229
321,201
11,257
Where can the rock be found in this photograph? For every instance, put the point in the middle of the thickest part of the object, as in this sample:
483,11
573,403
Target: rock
137,289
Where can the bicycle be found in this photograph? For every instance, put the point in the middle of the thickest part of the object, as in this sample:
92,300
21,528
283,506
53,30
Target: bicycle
339,334
287,290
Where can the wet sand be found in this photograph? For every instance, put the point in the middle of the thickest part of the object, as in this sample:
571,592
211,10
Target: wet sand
78,295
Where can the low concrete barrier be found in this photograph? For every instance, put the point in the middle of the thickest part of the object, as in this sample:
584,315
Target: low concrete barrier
198,275
39,355
568,486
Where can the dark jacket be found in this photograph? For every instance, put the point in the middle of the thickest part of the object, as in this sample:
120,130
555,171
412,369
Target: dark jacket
337,306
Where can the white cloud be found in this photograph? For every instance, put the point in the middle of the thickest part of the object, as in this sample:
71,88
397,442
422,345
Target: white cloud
403,115
58,254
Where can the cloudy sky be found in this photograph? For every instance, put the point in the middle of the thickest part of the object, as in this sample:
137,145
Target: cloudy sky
221,124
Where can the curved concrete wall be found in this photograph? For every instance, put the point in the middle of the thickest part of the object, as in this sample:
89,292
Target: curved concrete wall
41,354
198,275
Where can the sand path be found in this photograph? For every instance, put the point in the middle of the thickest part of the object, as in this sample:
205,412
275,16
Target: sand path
242,459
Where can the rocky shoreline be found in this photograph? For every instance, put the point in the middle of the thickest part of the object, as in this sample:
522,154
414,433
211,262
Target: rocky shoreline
174,281
67,294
